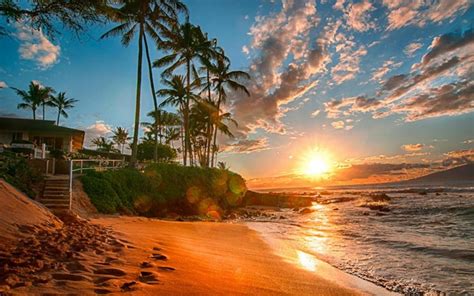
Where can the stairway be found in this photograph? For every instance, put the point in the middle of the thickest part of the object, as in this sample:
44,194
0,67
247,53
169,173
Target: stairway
56,193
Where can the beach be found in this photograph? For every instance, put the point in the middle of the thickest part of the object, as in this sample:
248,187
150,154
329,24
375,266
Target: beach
214,259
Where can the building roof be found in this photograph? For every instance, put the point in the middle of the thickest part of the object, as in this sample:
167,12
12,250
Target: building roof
22,124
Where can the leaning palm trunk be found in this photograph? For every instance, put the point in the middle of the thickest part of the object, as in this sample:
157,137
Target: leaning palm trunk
44,111
133,159
214,152
209,124
153,93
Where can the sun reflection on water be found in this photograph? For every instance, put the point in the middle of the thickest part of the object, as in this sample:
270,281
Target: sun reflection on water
306,261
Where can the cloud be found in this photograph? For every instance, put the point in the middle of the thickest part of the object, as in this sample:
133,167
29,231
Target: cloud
357,16
411,48
98,129
362,171
276,38
315,113
245,49
447,43
247,146
470,141
415,147
403,13
3,84
36,47
349,60
387,66
458,157
338,124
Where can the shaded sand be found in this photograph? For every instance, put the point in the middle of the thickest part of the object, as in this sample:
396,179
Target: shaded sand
20,215
202,258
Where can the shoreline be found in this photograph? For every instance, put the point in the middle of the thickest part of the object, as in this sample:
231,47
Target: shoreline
218,258
309,262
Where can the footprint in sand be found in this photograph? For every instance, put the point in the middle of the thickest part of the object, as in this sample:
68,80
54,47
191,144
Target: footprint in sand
146,264
159,257
128,286
110,271
102,291
148,277
69,277
166,268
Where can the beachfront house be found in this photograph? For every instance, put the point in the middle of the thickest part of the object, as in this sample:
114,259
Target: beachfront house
39,136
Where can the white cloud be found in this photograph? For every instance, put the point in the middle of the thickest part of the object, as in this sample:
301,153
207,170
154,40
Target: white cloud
245,49
3,84
36,47
411,48
98,129
387,66
315,113
337,124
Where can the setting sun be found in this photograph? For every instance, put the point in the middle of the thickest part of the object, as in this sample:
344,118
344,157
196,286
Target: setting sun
315,163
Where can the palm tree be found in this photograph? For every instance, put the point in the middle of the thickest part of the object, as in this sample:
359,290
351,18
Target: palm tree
62,103
175,94
186,43
32,98
161,119
146,17
104,145
120,137
222,80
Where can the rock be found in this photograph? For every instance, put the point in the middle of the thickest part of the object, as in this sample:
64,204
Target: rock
306,211
282,217
296,209
128,286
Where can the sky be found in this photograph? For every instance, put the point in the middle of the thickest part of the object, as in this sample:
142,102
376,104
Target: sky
383,90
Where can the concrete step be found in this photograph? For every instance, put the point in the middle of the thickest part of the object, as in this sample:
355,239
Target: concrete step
56,187
55,192
54,201
62,197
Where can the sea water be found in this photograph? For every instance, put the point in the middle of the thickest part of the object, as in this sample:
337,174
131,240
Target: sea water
420,242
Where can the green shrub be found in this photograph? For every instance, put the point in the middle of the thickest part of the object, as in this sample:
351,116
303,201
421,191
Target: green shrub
164,188
17,171
101,193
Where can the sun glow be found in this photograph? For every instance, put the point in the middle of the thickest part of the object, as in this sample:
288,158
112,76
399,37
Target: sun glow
315,163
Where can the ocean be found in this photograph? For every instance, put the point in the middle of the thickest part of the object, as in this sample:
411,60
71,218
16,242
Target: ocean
418,241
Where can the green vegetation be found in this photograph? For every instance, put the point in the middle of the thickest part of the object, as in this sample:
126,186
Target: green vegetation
17,171
165,188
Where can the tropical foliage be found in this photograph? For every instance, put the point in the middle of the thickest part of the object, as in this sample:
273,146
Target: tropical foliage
62,103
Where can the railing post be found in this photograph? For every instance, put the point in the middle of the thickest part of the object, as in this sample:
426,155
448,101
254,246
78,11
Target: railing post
70,183
82,163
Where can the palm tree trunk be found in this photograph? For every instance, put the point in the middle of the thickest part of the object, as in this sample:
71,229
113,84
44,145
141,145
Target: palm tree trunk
214,152
43,112
187,141
153,93
59,113
34,113
209,124
133,159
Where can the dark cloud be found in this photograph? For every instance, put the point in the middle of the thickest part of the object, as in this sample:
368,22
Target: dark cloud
362,171
447,43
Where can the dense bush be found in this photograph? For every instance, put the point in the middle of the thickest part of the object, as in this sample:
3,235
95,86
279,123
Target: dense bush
146,151
17,171
166,188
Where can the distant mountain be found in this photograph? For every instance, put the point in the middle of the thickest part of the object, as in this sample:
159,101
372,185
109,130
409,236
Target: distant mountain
459,175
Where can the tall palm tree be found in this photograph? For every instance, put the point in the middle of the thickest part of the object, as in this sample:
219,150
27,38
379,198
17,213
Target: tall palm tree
120,137
186,44
175,94
224,79
32,98
62,103
146,17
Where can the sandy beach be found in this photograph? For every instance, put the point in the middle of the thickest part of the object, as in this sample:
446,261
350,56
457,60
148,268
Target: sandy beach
213,259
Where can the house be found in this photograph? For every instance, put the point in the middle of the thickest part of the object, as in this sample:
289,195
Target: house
39,134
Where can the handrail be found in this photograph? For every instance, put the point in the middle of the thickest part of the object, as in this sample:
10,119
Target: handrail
103,164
